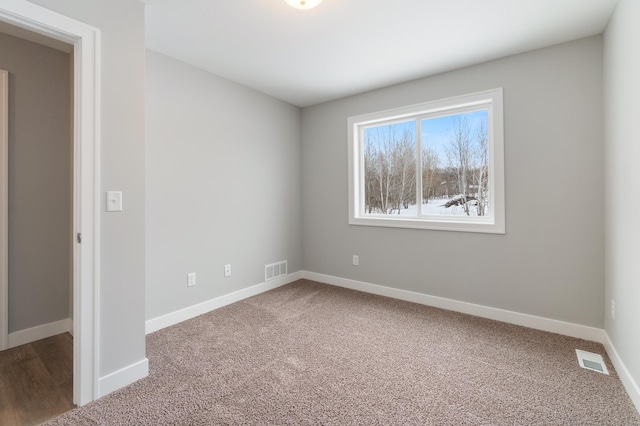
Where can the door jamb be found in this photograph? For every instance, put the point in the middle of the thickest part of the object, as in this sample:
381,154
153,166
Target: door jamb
4,210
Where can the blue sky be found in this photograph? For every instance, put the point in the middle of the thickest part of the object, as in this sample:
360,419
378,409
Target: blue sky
435,130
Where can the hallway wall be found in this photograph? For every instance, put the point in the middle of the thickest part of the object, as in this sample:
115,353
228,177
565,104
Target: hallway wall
39,182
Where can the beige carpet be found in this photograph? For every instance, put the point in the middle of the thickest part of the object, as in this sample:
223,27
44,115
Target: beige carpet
309,353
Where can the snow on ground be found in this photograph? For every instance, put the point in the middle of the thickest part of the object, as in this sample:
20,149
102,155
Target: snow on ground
436,208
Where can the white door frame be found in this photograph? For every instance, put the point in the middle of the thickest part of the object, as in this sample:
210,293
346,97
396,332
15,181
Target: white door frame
4,208
86,183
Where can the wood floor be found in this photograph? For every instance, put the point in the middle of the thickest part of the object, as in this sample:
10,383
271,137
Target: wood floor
36,381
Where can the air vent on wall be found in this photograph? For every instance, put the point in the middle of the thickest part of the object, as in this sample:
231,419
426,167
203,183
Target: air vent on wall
275,270
591,361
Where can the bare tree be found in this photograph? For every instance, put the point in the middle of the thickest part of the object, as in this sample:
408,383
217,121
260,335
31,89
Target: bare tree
430,164
404,155
377,176
468,155
390,169
391,162
459,152
480,168
371,176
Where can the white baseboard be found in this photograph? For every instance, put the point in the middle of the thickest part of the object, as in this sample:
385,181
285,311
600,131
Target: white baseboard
123,377
625,377
531,321
176,317
40,332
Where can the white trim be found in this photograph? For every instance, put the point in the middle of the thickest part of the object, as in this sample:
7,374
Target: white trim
123,377
176,317
625,377
40,332
86,286
531,321
4,209
492,101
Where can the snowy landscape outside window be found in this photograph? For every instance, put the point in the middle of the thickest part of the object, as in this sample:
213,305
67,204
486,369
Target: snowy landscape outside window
437,165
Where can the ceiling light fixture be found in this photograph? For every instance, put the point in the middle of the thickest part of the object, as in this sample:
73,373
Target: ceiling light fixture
303,4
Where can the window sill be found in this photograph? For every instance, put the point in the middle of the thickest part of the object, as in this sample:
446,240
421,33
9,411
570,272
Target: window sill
457,224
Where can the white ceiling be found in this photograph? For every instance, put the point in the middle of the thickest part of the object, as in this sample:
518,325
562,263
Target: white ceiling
344,47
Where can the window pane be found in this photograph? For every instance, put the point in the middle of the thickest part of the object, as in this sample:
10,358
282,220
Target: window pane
455,165
435,165
390,169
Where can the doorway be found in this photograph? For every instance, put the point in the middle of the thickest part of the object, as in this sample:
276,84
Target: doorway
36,371
85,40
39,188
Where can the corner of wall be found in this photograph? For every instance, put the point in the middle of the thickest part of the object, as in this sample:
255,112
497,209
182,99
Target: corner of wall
123,377
631,386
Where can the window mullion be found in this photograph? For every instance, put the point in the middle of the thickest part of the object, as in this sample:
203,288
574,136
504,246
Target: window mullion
361,171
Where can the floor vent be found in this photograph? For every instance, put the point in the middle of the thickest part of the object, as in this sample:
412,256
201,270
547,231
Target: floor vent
591,361
275,270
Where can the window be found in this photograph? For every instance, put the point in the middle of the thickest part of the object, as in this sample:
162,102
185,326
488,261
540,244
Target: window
436,165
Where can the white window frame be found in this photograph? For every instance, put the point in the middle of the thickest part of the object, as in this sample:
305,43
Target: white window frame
490,100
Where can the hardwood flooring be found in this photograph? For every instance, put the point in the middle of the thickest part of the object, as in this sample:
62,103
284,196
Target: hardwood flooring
36,381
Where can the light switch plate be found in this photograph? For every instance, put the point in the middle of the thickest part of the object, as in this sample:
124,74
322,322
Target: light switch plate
191,279
114,201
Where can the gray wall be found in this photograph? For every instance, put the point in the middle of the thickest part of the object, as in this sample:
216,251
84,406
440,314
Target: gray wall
550,263
223,185
622,151
122,238
39,182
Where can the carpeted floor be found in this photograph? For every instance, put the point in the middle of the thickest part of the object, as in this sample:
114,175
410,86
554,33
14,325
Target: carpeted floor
309,353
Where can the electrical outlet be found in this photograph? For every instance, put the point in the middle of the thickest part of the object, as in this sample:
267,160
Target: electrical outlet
191,279
227,270
613,310
356,260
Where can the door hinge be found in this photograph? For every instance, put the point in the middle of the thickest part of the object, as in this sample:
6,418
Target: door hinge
79,237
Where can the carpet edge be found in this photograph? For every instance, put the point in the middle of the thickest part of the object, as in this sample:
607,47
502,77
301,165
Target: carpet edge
175,317
511,317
